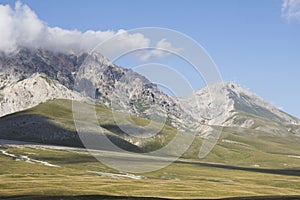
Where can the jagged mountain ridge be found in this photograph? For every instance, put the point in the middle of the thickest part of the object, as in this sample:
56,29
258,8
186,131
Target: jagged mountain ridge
223,104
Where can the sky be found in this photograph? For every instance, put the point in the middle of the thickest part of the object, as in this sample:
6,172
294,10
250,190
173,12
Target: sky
255,43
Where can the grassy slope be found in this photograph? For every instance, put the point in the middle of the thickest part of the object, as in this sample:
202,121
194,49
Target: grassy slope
52,123
257,165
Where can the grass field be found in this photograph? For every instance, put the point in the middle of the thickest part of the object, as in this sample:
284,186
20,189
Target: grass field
77,175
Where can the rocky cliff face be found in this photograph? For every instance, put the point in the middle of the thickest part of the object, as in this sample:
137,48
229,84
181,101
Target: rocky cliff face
32,91
25,62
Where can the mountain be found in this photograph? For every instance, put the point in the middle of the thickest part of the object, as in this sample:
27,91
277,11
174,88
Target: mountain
228,104
125,90
235,100
89,74
32,76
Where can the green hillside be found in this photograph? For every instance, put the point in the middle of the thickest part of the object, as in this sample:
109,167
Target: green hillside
244,163
52,123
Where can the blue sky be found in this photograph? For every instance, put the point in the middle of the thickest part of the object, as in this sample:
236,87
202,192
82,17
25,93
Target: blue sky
251,41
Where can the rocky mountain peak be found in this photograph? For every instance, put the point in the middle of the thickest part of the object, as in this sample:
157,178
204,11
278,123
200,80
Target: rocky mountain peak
217,104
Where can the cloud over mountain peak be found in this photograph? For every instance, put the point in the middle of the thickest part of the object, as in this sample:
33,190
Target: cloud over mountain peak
20,26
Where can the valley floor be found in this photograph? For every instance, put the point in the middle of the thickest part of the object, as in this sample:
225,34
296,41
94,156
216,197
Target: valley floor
31,171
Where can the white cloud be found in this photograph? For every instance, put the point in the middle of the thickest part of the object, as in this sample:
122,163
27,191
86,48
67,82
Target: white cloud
20,26
291,10
162,49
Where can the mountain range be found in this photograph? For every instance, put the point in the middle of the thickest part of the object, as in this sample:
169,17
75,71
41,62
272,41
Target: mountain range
29,77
